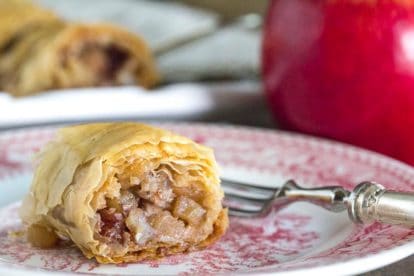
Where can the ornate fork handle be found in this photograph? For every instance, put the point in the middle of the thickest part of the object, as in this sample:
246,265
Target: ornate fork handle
368,202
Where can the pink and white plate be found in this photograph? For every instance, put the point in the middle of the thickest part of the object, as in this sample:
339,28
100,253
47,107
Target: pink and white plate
301,238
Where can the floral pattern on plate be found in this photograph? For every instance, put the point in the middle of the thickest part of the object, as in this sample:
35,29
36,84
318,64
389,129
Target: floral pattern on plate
298,237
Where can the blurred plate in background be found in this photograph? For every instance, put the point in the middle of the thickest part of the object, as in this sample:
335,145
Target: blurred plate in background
186,101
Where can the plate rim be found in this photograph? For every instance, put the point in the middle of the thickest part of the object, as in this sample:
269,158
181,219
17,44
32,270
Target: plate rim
352,266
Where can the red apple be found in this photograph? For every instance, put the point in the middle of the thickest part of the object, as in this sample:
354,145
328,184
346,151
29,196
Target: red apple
343,69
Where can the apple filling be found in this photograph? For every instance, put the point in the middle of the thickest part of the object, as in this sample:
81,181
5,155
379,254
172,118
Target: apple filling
101,65
150,209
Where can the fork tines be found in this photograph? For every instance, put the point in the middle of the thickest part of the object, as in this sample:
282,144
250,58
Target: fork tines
247,200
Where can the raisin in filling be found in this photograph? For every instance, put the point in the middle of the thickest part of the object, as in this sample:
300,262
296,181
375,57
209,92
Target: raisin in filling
112,224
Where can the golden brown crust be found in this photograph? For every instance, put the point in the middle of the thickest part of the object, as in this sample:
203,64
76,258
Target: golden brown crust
25,46
39,52
76,172
19,15
56,65
220,227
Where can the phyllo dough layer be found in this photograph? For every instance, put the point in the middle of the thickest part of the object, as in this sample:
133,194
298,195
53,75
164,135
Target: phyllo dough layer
39,52
124,192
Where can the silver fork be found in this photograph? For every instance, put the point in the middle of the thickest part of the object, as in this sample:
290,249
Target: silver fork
368,202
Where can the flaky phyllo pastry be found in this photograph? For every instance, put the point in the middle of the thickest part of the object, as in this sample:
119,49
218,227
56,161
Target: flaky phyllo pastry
39,51
125,192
